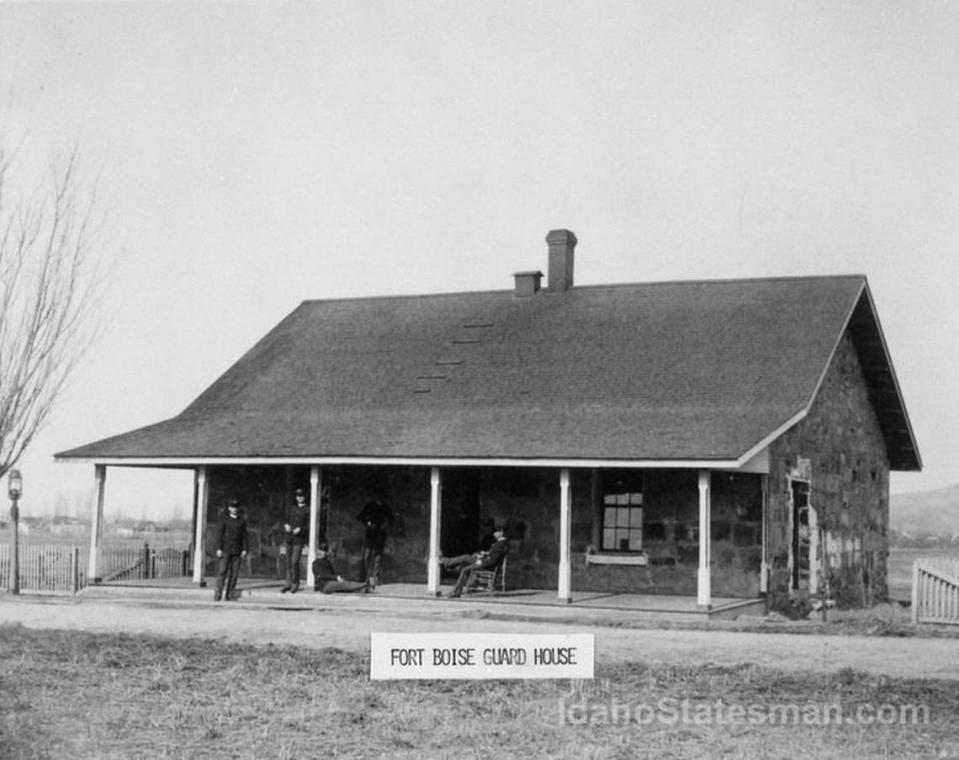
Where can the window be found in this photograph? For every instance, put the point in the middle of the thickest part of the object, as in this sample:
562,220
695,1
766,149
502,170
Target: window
623,513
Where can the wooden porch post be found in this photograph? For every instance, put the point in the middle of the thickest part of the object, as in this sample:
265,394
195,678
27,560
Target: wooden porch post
436,503
203,493
763,527
315,485
703,590
96,524
564,520
596,504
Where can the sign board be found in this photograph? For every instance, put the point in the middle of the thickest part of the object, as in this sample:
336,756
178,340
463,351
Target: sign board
481,655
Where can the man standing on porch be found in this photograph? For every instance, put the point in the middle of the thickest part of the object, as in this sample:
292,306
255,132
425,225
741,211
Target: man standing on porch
375,516
297,535
232,543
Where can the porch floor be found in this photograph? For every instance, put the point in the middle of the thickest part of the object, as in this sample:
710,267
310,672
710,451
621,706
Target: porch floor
264,590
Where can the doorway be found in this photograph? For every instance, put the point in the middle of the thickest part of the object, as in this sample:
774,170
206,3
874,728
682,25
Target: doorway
460,521
803,538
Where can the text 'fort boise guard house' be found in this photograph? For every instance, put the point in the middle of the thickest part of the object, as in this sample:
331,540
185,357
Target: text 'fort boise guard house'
712,439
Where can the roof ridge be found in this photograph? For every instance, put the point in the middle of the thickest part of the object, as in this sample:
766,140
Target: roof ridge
728,281
594,286
410,296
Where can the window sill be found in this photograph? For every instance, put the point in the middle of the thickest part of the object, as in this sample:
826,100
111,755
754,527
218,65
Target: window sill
617,559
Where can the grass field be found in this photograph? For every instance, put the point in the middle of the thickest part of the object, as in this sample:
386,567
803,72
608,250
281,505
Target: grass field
81,695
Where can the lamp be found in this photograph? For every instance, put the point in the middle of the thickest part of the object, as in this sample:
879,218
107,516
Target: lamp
15,485
14,490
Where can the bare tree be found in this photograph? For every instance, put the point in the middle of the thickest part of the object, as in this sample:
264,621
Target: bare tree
48,282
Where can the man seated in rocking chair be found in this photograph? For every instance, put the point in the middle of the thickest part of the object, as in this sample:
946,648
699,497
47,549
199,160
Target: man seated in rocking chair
490,560
455,564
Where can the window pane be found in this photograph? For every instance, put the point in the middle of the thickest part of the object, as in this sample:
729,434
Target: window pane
609,499
635,498
623,523
609,517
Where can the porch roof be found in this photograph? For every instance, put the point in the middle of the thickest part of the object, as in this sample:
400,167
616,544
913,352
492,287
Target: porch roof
657,372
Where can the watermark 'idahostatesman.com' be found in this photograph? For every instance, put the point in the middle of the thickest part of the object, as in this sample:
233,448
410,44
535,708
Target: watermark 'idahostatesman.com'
670,711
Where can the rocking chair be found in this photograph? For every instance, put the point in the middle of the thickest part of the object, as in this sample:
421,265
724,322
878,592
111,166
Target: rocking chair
487,581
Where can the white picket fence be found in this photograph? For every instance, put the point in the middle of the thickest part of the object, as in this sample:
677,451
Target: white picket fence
61,568
935,591
45,568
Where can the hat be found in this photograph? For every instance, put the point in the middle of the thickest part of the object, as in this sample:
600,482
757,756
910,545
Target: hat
299,492
233,504
323,548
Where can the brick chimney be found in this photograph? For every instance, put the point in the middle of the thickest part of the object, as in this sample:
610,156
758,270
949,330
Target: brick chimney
561,245
527,283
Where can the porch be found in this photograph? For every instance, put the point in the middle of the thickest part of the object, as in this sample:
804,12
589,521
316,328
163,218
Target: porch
540,602
584,536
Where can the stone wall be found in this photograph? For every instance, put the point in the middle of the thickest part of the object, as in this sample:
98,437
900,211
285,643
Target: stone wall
406,492
262,493
526,502
840,448
737,539
523,501
266,495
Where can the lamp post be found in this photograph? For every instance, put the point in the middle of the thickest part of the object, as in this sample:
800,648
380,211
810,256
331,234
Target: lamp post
14,489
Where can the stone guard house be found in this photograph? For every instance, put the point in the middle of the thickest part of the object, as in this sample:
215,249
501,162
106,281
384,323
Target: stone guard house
723,438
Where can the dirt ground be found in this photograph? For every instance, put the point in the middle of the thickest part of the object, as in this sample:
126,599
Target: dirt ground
346,623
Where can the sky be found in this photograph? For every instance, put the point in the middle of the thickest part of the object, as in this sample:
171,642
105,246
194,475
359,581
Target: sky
249,156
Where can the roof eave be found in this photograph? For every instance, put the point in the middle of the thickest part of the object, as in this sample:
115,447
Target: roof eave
911,460
425,461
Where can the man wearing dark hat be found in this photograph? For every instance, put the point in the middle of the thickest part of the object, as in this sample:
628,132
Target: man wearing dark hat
375,516
297,536
325,577
232,544
490,560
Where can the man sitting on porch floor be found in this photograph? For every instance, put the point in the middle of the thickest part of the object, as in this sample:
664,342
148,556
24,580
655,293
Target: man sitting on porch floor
325,578
481,561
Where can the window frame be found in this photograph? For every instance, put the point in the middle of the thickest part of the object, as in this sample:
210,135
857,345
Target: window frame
622,515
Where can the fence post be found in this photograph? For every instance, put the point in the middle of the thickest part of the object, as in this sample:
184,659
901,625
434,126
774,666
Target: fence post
146,560
75,569
186,562
915,591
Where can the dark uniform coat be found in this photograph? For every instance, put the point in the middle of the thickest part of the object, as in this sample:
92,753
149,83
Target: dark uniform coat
232,537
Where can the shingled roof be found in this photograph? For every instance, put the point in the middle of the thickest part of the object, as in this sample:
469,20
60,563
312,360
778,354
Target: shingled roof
662,372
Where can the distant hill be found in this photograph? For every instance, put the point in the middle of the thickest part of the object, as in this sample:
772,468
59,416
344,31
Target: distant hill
933,513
